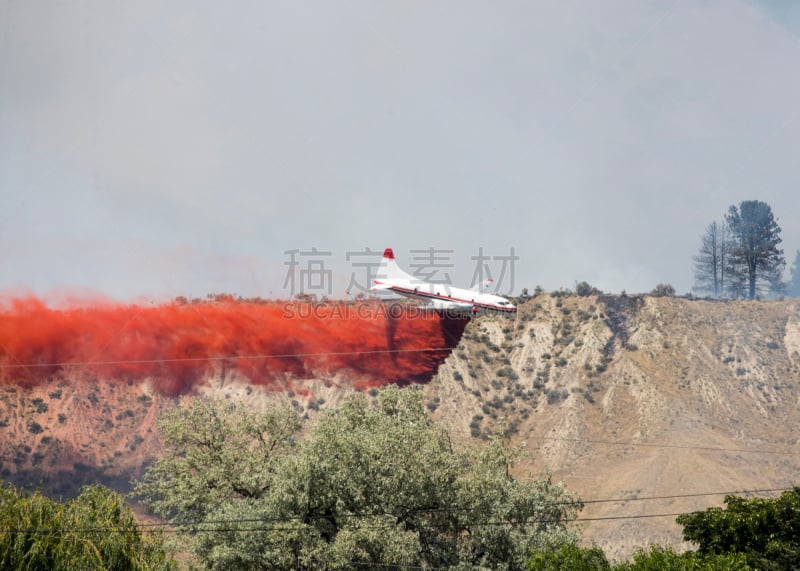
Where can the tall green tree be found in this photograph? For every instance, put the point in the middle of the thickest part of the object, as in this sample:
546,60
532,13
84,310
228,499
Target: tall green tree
765,530
793,288
659,558
755,259
96,530
216,452
369,486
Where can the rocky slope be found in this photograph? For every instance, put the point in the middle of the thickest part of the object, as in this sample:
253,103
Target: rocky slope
634,398
623,398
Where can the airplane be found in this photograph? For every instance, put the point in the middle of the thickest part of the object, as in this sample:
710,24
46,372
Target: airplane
390,277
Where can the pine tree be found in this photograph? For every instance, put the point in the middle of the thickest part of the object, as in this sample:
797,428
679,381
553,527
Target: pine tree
755,261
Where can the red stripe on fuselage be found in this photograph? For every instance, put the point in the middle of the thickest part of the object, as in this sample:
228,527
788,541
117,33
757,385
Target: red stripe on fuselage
429,295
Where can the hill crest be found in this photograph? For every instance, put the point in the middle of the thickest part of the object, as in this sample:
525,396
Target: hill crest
622,397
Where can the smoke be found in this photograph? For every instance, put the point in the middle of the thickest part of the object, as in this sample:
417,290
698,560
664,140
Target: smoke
178,345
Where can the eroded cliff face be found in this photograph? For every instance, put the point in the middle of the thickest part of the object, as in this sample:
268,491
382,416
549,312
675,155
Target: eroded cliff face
623,398
635,397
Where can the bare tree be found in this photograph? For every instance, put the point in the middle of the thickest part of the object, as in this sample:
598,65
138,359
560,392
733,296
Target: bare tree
710,261
793,289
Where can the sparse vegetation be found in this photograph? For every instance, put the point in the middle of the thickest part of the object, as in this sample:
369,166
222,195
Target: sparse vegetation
663,290
585,289
508,373
40,405
35,427
553,396
127,413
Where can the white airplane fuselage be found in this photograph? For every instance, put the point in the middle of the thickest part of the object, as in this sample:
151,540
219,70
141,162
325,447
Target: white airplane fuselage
438,296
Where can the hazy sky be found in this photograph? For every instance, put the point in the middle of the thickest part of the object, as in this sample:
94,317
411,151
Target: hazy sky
152,149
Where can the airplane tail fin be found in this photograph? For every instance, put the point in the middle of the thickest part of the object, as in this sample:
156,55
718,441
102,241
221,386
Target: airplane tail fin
483,286
389,270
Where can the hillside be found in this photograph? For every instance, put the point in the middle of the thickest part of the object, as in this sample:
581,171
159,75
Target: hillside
635,397
621,397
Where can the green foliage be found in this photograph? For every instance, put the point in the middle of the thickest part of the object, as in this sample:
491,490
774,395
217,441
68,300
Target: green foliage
748,534
569,556
755,262
665,559
215,452
94,531
585,289
657,558
370,485
767,530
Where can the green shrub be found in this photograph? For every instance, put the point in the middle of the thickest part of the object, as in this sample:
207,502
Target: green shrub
584,289
569,556
663,290
96,530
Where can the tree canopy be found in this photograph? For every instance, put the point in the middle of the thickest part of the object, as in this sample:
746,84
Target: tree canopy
755,260
96,530
766,530
369,485
739,257
569,556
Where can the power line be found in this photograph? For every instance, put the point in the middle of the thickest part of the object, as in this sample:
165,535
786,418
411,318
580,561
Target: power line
641,516
657,445
696,495
198,526
654,444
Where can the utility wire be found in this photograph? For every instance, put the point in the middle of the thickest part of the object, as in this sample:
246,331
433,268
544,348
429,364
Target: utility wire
656,444
676,446
197,526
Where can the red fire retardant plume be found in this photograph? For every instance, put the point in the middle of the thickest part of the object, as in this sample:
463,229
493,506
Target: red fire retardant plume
177,345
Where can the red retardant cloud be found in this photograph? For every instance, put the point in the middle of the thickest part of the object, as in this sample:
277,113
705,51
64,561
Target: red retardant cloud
178,345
